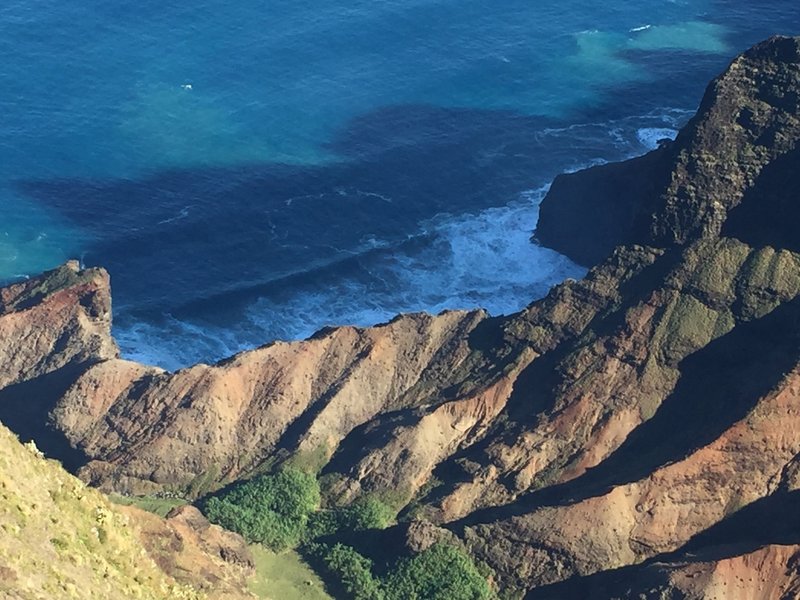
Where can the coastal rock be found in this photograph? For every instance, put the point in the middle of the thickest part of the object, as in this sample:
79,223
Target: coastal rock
143,429
52,328
53,322
678,407
586,214
748,119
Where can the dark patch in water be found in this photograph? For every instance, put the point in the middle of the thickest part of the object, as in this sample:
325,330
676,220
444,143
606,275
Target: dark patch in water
179,236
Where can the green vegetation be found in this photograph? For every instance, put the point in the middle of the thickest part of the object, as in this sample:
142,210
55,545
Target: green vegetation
352,572
285,576
397,498
61,539
310,461
270,509
204,483
414,509
158,506
442,572
58,279
282,511
364,513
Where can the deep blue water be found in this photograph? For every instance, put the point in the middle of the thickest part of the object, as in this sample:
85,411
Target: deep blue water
259,169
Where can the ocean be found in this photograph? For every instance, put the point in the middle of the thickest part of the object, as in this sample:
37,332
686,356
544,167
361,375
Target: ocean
257,170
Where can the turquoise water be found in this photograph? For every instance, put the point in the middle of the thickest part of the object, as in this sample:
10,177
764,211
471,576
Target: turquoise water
257,170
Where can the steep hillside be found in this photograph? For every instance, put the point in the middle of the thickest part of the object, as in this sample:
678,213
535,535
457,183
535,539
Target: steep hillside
61,539
623,437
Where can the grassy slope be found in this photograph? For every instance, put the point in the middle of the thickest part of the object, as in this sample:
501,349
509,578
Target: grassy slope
285,576
158,506
59,539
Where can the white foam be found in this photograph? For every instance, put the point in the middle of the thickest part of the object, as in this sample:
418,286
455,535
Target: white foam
482,260
488,260
651,136
485,259
173,344
477,260
184,212
627,135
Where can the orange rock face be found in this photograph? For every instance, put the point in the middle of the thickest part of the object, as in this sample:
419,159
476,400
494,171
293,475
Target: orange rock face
195,552
54,322
220,422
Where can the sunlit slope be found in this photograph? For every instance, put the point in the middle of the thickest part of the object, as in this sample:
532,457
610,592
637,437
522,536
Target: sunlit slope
60,539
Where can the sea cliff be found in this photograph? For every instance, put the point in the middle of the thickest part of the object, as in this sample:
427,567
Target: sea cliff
627,436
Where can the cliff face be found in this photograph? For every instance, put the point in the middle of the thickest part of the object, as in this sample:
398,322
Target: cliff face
746,121
679,405
51,328
54,323
629,426
143,429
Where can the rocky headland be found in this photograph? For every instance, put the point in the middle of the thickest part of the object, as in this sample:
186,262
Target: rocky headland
635,434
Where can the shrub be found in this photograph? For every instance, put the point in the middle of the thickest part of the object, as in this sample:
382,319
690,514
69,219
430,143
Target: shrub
323,523
310,461
270,509
369,513
364,513
441,572
353,572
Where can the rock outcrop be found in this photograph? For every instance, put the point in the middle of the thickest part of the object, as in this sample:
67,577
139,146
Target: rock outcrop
679,406
747,120
51,329
54,323
617,430
769,572
144,430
